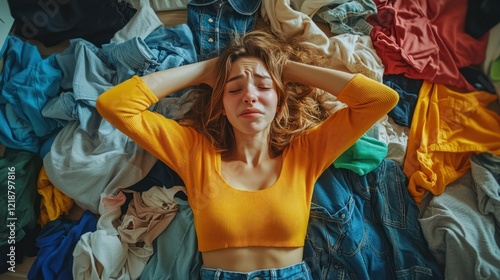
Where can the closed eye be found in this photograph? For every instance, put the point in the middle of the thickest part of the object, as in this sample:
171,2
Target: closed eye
234,90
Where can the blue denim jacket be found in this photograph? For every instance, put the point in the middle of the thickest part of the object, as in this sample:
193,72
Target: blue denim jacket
215,23
366,226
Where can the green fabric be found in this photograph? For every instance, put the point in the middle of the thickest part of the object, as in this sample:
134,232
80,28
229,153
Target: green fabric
364,156
27,167
495,70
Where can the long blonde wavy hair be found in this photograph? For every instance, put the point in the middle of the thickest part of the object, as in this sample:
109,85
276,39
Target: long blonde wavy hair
300,107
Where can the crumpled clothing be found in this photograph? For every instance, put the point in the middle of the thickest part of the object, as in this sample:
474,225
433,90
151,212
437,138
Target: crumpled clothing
463,240
56,243
426,40
447,128
363,156
27,82
352,53
486,173
53,202
148,214
87,144
343,16
101,254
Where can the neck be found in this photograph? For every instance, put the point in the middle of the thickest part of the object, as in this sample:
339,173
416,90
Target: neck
252,149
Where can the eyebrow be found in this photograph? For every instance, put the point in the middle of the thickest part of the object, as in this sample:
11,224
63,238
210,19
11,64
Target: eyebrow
241,76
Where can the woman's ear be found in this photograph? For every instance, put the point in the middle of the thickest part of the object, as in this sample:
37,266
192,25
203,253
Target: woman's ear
223,111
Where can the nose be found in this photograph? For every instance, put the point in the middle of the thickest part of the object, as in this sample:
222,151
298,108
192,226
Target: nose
250,96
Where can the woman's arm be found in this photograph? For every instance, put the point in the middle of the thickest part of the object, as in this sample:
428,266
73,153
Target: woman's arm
126,106
367,101
166,82
330,80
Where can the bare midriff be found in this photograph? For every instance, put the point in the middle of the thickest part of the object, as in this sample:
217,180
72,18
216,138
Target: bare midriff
247,259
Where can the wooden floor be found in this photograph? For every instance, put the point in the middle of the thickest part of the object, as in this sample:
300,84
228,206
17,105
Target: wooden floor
21,270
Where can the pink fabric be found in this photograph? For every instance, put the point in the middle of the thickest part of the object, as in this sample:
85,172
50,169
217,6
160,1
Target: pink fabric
425,39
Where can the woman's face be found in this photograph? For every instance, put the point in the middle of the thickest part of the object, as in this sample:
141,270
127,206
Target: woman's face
250,99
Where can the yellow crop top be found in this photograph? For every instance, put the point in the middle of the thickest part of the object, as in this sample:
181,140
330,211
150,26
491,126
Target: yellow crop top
227,217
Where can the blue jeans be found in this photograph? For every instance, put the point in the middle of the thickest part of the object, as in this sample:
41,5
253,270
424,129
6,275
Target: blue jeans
298,271
365,226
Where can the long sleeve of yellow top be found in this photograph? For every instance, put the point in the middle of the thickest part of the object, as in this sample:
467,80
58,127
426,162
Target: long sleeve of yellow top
227,217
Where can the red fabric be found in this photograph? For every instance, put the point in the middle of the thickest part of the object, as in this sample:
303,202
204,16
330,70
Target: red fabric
426,39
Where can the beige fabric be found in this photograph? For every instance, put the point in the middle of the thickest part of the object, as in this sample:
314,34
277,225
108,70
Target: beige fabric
351,53
311,7
148,214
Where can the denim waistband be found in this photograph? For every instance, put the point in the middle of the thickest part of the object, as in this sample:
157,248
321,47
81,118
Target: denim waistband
296,271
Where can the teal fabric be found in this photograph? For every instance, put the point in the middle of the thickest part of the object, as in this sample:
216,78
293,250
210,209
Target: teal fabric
364,156
27,167
176,254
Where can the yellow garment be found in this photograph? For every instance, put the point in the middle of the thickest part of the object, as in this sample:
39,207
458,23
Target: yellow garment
446,129
53,203
228,217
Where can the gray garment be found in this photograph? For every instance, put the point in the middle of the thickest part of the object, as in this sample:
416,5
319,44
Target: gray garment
459,235
486,173
84,165
140,25
348,16
342,16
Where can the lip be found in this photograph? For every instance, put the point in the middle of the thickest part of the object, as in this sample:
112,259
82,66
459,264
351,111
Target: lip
250,112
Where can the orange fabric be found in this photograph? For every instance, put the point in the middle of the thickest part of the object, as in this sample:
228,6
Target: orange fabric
447,128
54,203
227,217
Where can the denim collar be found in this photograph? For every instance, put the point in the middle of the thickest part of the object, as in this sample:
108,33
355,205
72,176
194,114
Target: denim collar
243,7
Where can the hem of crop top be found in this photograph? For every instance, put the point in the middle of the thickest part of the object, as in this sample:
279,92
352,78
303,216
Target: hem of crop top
274,245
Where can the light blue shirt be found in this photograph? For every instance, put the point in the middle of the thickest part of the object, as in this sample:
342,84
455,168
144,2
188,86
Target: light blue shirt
26,82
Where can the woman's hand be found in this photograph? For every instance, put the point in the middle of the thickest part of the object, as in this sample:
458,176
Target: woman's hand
286,73
330,80
208,71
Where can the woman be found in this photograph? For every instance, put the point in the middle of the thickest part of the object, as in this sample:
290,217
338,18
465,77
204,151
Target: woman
251,149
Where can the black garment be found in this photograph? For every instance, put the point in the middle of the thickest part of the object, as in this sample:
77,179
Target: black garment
407,89
478,79
159,175
482,15
54,21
